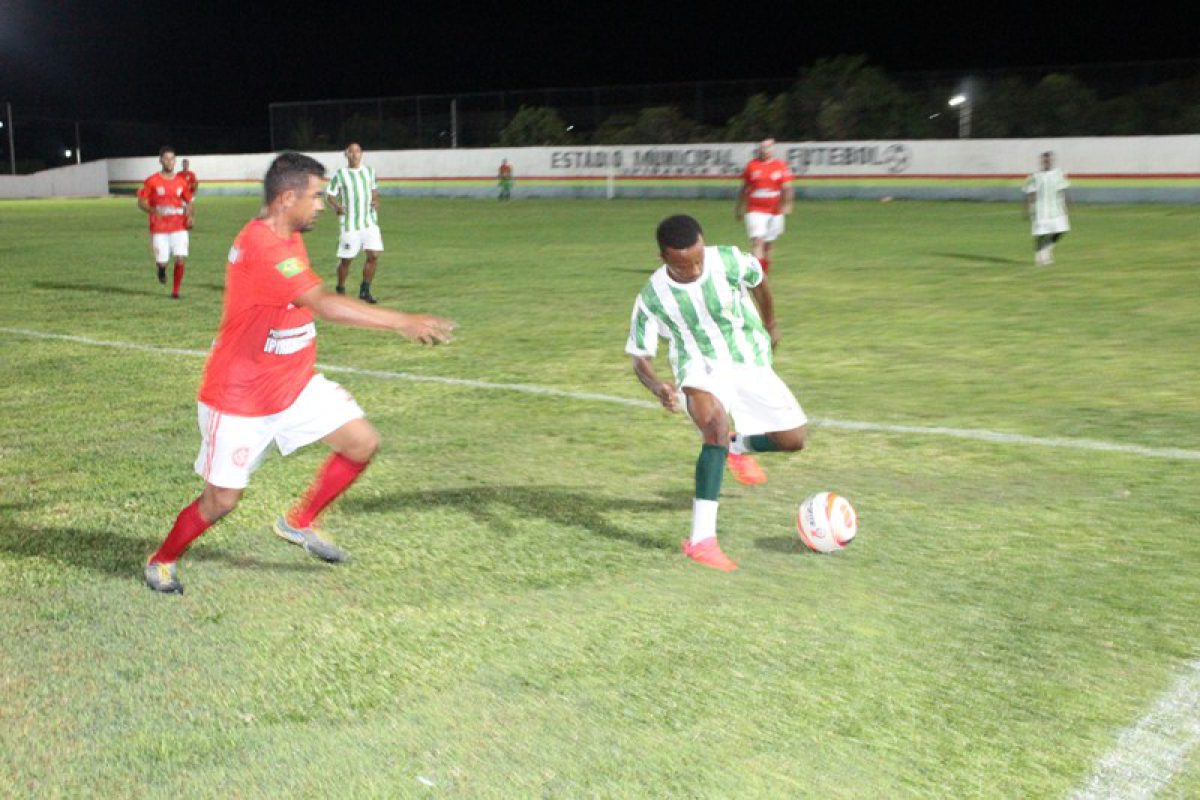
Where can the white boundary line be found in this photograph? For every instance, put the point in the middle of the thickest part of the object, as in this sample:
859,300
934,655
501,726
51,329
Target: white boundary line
1148,755
848,425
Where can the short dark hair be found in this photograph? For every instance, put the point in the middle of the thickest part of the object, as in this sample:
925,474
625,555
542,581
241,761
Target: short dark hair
289,170
166,148
678,232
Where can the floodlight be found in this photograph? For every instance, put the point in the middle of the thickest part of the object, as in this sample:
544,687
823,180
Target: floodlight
67,153
957,100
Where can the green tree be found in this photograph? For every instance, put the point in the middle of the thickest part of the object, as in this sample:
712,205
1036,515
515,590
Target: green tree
759,119
534,126
845,98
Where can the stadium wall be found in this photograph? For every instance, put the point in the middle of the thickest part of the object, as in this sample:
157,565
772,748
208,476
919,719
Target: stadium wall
79,180
1130,169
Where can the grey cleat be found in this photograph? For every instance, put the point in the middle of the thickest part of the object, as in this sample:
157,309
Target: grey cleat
161,578
317,545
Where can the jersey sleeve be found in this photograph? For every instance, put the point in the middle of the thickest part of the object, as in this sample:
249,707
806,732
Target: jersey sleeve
144,192
643,332
374,183
335,184
751,270
1030,186
787,176
1063,182
186,194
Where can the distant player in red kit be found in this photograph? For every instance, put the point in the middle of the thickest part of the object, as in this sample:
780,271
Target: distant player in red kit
166,198
190,178
260,385
766,199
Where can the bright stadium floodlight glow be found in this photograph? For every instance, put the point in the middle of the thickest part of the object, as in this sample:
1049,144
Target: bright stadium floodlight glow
67,153
957,100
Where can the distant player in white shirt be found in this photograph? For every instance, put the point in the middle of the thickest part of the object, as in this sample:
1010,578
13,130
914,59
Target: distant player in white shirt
710,305
354,196
1046,205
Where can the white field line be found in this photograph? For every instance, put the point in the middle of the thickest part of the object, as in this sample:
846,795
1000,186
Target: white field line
1148,755
998,437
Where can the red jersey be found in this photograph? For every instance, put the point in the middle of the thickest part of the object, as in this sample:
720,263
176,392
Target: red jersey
189,178
167,196
266,348
765,181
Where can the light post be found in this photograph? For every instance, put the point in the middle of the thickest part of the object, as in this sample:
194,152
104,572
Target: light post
963,103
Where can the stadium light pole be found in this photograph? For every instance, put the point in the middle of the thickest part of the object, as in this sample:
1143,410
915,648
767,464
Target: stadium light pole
78,149
963,104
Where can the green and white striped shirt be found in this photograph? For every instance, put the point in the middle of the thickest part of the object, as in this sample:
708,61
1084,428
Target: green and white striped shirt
713,319
1048,187
353,188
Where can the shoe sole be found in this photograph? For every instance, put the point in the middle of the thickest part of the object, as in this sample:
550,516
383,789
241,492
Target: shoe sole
338,557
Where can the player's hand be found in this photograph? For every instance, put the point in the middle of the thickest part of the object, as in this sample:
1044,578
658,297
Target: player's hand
427,329
668,395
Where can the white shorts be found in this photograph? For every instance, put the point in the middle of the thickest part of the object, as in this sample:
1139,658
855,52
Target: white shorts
166,245
767,227
1042,227
231,447
757,399
350,243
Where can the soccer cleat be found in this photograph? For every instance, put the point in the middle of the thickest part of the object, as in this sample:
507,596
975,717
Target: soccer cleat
708,553
161,578
745,469
162,274
308,538
341,290
174,295
367,297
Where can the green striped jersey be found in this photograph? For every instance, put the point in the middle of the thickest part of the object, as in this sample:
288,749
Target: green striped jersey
712,319
1047,186
353,188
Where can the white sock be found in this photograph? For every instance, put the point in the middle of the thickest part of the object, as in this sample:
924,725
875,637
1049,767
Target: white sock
737,445
704,519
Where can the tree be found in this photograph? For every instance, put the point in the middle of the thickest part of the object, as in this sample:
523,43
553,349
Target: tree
534,126
654,125
760,118
845,98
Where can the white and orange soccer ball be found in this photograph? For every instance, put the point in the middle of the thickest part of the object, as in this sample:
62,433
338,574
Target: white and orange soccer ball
826,522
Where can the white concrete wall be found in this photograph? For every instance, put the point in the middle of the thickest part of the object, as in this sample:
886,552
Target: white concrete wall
1102,156
79,180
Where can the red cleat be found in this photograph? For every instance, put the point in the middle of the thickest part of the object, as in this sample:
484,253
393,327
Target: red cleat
708,553
745,469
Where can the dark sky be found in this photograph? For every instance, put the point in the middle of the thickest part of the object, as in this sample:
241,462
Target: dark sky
218,62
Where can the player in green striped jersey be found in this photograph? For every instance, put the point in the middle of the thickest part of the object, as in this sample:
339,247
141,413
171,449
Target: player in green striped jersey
354,196
1046,206
720,346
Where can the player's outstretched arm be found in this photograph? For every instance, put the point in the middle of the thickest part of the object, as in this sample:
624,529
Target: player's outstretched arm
665,391
423,328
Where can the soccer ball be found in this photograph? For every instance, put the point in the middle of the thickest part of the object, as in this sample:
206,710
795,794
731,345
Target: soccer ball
826,522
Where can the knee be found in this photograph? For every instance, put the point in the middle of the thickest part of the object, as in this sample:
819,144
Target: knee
364,447
216,502
792,441
715,431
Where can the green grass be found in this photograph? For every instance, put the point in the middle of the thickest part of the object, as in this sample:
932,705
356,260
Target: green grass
517,620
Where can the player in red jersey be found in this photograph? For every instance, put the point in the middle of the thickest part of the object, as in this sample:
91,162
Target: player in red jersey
166,198
190,178
767,197
260,384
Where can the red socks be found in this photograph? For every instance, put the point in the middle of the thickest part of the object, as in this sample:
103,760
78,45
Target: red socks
179,277
766,262
334,477
188,525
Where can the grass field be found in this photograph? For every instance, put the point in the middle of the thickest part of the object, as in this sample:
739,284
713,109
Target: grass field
517,620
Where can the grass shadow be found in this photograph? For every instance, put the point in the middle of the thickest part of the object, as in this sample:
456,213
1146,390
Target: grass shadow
122,556
122,290
978,258
780,544
498,506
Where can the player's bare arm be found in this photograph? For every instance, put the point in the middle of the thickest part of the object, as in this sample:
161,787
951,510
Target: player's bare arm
423,328
789,199
665,391
144,205
739,206
375,199
766,310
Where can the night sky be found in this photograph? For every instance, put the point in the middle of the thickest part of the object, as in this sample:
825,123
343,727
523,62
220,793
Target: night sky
220,62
